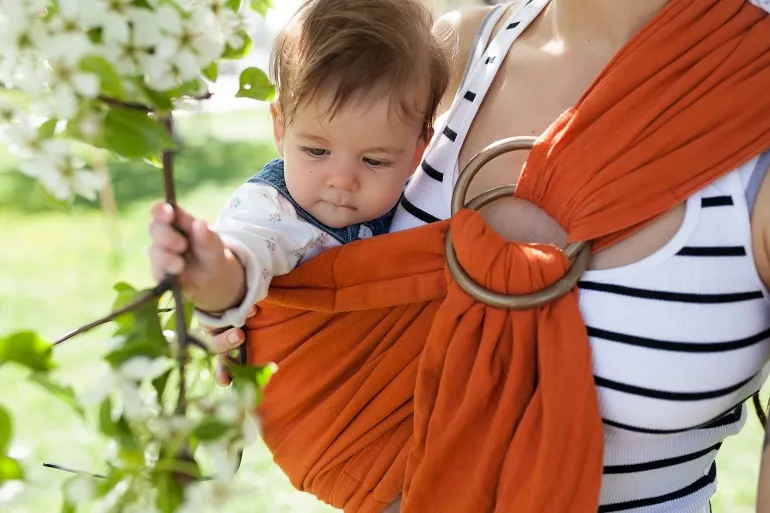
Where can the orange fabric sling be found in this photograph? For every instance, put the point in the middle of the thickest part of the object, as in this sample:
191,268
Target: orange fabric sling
391,378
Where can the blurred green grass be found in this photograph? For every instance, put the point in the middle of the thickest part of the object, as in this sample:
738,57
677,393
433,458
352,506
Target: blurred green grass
57,273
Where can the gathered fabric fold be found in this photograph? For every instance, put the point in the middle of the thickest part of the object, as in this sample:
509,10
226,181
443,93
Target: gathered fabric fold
391,379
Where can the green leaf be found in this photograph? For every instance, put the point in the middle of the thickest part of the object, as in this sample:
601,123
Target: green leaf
133,134
95,35
255,84
67,506
154,161
140,328
189,88
52,202
118,430
136,347
210,429
10,470
258,375
159,384
63,393
189,310
234,5
211,71
158,101
28,349
6,430
170,492
111,83
231,53
125,292
261,6
47,129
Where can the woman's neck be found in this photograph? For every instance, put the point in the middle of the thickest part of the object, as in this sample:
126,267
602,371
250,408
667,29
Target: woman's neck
609,23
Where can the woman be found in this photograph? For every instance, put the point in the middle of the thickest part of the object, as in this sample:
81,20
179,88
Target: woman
678,314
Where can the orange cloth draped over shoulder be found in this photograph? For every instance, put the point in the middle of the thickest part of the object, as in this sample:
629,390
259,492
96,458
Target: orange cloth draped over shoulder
391,379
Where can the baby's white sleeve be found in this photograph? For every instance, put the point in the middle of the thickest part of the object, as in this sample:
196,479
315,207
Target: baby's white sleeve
262,229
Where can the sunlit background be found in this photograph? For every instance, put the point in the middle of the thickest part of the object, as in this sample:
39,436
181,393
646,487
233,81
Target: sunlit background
57,268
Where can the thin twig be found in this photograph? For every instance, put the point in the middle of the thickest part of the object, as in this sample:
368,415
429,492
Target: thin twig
150,295
73,471
176,288
197,343
114,102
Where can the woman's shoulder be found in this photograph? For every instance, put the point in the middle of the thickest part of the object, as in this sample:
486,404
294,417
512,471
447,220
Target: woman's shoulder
462,22
458,29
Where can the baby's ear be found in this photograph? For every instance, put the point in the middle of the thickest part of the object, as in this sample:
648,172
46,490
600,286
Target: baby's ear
278,126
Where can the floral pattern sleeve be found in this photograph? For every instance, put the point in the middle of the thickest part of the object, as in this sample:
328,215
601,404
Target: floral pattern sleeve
262,229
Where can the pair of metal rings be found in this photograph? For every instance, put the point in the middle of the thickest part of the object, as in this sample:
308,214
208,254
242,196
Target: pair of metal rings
578,252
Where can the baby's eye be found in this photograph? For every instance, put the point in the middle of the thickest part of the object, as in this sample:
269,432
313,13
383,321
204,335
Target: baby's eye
316,152
376,163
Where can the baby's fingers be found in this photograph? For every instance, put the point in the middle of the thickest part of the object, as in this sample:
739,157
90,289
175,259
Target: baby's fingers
163,213
222,371
167,238
165,262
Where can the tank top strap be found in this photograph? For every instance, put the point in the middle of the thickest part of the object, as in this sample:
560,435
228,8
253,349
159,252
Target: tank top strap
432,184
483,36
480,77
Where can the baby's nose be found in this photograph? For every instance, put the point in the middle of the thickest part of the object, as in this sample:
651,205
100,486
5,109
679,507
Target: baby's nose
344,178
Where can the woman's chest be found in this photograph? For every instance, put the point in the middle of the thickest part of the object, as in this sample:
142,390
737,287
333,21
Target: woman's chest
682,336
523,104
519,104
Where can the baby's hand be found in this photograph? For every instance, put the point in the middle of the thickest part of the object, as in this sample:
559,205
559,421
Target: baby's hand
199,262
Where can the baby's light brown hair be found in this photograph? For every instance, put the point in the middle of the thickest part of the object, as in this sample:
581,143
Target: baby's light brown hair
349,49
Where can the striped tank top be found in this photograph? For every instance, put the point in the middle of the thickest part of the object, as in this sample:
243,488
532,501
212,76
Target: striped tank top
679,339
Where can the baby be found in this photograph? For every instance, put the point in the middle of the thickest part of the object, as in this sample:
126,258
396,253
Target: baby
358,84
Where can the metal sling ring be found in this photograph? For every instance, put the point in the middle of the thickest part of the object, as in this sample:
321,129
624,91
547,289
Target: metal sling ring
578,252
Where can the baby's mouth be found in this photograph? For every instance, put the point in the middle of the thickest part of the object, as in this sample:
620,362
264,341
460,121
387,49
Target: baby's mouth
342,206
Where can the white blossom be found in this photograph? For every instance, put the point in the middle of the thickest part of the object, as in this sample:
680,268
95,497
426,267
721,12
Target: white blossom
211,495
233,405
143,368
22,33
190,43
108,503
125,380
111,17
167,428
67,40
155,45
72,84
9,490
80,490
91,125
60,172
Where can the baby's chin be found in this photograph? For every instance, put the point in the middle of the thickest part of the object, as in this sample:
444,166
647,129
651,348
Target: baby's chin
337,217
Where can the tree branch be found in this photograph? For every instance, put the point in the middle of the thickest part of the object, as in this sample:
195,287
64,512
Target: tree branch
150,295
114,102
181,328
73,471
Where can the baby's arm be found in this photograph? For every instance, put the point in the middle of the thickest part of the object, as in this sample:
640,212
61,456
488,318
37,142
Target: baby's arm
262,230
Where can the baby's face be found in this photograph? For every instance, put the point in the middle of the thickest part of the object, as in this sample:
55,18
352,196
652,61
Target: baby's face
350,168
